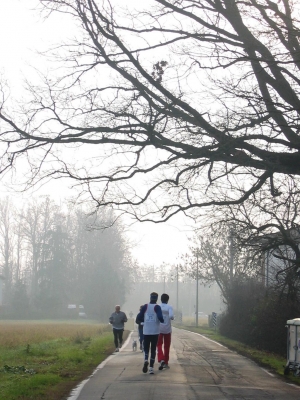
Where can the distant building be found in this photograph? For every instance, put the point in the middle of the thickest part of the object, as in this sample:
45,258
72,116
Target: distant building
74,311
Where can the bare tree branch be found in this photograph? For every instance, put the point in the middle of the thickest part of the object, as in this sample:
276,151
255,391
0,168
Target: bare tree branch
162,107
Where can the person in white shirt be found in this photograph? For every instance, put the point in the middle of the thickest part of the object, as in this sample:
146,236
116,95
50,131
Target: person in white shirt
164,339
150,316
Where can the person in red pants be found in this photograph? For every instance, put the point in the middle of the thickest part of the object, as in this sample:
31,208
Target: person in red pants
164,339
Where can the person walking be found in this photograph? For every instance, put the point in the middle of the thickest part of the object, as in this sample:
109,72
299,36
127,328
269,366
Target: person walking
151,317
165,329
140,330
117,320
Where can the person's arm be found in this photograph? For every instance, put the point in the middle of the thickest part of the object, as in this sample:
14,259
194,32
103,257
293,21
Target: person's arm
159,314
125,318
171,312
111,319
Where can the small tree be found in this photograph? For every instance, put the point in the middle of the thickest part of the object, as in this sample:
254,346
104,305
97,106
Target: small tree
220,258
268,229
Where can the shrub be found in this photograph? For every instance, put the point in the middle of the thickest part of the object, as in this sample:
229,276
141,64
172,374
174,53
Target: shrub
257,316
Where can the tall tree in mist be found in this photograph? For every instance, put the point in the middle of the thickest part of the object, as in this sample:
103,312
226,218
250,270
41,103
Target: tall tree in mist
54,288
102,264
37,221
6,245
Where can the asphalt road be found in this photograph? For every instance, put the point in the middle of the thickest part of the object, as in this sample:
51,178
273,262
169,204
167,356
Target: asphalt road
199,369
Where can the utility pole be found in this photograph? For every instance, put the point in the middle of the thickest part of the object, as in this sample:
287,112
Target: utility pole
177,288
231,255
197,287
267,275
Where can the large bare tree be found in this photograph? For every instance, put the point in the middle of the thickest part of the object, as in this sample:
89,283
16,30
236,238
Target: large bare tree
163,106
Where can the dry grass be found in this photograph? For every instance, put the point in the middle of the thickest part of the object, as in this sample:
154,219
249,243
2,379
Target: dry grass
18,333
55,355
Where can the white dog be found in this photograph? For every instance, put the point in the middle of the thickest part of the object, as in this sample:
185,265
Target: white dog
134,345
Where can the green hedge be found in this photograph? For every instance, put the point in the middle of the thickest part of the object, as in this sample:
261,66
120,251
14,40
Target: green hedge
257,316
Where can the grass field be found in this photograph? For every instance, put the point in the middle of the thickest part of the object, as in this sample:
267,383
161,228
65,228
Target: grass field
46,359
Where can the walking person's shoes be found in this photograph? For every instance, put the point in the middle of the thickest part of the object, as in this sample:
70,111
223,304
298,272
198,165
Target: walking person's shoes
145,367
162,365
166,366
117,349
151,371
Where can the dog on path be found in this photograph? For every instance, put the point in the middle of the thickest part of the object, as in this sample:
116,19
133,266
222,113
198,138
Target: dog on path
134,345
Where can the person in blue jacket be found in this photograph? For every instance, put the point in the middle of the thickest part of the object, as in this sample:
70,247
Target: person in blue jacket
150,316
140,328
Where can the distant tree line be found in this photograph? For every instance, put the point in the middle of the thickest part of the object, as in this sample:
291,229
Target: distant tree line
52,256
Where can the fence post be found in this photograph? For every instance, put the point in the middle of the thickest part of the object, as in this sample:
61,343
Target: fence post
214,320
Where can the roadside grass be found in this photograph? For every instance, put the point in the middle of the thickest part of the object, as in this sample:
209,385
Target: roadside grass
47,359
270,361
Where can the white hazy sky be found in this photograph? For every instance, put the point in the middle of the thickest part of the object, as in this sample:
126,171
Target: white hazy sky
22,34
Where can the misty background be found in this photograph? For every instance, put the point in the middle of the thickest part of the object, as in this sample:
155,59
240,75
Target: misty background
57,256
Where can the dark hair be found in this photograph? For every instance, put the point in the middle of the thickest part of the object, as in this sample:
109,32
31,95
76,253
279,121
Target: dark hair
164,298
153,297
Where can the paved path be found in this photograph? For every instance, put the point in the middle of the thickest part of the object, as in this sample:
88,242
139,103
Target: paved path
200,369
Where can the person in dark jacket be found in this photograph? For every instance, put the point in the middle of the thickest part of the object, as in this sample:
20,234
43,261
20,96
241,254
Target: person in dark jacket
151,317
117,320
140,330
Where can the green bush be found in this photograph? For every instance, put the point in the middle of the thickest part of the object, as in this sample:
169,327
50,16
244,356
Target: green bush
257,316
